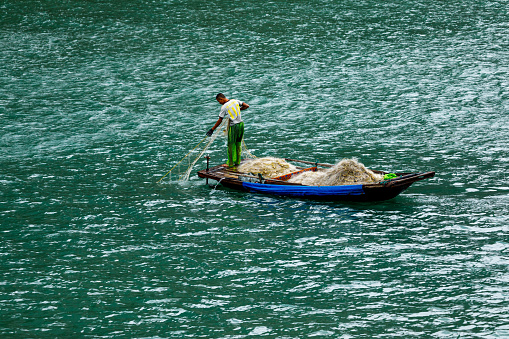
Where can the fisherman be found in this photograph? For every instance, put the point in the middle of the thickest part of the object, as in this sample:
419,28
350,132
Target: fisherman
231,108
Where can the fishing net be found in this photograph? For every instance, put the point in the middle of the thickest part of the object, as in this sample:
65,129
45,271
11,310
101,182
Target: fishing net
184,175
346,172
245,151
269,167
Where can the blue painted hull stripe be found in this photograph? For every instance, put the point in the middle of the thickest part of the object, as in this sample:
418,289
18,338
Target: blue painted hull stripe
308,191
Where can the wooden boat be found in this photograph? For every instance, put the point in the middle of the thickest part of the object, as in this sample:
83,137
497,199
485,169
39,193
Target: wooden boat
383,190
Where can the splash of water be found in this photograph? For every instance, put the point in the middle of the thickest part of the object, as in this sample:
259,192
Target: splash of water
215,187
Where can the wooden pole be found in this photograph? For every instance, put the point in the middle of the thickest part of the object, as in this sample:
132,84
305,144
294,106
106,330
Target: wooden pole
208,158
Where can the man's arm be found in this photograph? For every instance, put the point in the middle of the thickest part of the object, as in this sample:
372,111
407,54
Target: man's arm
218,122
244,106
211,131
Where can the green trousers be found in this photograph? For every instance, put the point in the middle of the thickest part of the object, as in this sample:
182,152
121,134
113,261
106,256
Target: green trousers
235,135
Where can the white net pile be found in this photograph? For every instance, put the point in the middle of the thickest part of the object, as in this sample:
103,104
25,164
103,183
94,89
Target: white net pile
269,167
346,172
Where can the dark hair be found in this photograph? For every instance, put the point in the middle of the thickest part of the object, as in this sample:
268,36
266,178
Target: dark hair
220,95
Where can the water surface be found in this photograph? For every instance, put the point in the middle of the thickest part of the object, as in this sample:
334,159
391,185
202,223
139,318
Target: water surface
99,99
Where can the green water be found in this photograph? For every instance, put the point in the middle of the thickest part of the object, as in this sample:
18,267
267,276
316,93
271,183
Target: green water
99,99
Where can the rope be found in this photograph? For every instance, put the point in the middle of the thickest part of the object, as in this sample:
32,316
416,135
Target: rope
182,159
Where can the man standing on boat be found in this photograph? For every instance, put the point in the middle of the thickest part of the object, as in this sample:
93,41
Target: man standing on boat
231,108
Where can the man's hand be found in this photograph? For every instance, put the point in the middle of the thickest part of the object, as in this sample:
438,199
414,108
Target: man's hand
210,132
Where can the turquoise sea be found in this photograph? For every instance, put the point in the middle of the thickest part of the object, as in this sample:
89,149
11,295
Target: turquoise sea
99,99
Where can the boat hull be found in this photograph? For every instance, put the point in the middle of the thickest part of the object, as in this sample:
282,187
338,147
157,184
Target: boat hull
384,190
